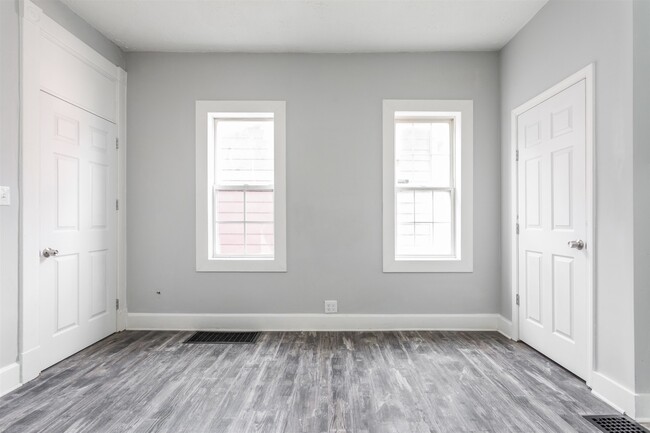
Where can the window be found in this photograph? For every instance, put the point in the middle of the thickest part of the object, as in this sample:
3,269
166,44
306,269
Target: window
427,186
241,210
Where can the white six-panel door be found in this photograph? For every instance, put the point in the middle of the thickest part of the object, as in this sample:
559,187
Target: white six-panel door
78,223
552,213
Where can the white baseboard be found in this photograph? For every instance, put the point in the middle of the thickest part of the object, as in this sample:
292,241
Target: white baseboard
642,413
613,393
312,322
30,362
9,378
122,318
504,326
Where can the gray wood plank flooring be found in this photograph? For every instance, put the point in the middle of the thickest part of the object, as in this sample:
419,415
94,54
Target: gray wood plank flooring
313,382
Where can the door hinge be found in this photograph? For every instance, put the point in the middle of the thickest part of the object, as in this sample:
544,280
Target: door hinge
517,228
117,304
517,155
117,205
517,299
117,143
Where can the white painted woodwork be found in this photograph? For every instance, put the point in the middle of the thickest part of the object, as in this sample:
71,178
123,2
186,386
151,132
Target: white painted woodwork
553,278
66,74
78,218
314,322
54,60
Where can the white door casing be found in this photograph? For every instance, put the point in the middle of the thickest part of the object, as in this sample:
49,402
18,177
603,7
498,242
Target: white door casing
552,211
79,221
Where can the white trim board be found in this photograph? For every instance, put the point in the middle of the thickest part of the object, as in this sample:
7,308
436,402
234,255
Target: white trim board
613,393
9,378
642,408
121,196
621,398
587,74
504,326
313,322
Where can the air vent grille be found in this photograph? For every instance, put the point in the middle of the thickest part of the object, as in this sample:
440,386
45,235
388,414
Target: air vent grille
616,424
209,337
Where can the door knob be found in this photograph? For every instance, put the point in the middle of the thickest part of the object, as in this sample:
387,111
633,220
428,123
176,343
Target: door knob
50,252
578,245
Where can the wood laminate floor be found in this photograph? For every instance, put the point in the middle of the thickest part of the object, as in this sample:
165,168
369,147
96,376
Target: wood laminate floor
312,382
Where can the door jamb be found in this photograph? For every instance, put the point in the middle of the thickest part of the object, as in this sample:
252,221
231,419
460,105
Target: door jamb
587,74
35,25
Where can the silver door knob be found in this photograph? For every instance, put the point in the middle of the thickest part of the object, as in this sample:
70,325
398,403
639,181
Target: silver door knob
578,245
50,252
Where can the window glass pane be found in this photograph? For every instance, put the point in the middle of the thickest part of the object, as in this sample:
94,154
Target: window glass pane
440,142
244,152
404,239
405,207
440,171
259,238
441,239
229,239
422,151
423,206
423,240
259,206
230,206
442,206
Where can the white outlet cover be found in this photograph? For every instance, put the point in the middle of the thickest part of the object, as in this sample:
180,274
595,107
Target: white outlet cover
5,196
331,307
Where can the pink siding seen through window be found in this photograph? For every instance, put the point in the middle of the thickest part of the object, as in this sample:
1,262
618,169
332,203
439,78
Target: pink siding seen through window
243,190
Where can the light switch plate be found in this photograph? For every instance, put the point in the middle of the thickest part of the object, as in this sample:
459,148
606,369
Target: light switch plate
5,196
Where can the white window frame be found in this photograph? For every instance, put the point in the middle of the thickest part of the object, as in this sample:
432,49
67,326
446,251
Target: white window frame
206,113
461,113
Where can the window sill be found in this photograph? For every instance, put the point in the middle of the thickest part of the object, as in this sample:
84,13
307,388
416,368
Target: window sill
430,266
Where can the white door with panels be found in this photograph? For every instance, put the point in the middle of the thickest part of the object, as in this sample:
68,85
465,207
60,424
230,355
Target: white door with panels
78,191
553,301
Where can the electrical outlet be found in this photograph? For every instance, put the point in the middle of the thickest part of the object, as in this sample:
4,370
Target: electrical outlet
331,307
5,196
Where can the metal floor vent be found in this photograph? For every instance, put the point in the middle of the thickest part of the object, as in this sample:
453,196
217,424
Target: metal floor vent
208,337
616,424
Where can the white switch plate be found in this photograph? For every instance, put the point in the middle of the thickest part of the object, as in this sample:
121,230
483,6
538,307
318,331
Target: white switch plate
331,307
5,196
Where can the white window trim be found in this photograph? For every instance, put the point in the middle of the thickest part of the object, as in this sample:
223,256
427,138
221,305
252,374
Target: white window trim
204,137
464,172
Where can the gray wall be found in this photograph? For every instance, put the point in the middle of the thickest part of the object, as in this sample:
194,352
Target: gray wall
334,154
9,145
81,29
561,39
9,57
641,193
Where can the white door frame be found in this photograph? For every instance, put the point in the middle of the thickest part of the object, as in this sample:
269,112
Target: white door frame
37,29
587,74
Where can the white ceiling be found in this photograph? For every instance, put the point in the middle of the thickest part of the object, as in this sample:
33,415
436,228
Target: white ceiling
323,26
